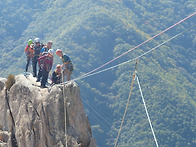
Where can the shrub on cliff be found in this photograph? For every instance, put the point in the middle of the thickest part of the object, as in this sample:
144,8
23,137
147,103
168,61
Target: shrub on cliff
10,81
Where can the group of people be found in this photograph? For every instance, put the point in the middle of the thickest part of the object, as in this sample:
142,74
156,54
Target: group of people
43,55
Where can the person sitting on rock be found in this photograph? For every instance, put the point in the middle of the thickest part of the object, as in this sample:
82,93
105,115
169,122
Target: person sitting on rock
67,64
45,62
56,75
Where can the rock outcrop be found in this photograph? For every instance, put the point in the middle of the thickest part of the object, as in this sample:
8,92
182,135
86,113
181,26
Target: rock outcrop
35,117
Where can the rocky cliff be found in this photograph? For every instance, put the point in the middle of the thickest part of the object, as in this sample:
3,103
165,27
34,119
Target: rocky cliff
35,117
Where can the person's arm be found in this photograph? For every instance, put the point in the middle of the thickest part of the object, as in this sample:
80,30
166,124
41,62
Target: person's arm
42,50
26,48
40,60
53,77
51,63
63,65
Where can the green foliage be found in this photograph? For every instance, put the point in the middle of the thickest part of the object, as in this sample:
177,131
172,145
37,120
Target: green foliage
92,32
10,81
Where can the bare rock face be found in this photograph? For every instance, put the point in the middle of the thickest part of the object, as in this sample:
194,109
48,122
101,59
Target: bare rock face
35,117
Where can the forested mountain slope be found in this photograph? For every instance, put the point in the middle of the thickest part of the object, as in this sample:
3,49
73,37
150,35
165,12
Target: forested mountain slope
93,32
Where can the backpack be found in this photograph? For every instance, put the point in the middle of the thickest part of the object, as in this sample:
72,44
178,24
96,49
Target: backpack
37,50
66,58
29,51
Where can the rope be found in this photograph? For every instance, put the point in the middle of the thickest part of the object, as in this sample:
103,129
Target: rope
140,44
65,111
98,119
98,113
126,106
82,77
146,111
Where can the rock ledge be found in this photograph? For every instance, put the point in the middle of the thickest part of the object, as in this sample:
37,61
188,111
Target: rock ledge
31,116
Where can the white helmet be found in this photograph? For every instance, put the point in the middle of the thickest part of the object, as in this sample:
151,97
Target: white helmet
36,40
51,51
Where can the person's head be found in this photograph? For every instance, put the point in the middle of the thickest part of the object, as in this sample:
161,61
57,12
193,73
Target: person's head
59,52
51,52
37,41
49,44
58,68
30,41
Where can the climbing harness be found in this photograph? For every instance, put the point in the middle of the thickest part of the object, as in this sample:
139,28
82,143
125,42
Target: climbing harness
134,74
147,111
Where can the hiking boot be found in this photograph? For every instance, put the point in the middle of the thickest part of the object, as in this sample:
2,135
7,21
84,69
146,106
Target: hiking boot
44,86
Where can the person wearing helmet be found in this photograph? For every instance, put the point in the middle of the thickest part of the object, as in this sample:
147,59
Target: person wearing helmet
30,41
29,52
43,51
51,51
47,47
56,75
45,62
67,65
37,49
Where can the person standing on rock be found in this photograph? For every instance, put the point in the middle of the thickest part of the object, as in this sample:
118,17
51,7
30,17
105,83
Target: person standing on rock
29,52
43,51
37,49
47,47
45,62
67,66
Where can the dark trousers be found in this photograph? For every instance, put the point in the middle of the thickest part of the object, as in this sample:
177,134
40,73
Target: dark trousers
56,80
35,60
39,74
28,61
44,77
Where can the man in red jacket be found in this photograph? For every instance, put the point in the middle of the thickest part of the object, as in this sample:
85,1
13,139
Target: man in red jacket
45,62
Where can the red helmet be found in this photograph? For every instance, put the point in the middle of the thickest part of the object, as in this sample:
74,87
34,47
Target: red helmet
58,51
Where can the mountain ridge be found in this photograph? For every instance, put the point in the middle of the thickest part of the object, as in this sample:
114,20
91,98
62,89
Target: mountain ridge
94,32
